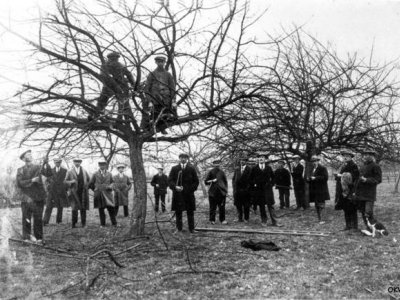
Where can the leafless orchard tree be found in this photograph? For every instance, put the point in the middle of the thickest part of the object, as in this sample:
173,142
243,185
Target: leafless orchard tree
210,65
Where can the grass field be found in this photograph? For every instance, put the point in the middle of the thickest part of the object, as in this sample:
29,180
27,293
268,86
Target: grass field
162,265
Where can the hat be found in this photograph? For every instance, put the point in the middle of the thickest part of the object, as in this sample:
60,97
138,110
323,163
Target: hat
160,168
160,58
347,152
281,161
121,165
77,159
367,151
216,162
183,155
113,54
57,159
315,158
262,154
21,157
296,157
102,162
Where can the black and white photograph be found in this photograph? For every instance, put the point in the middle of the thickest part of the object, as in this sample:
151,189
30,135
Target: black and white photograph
199,149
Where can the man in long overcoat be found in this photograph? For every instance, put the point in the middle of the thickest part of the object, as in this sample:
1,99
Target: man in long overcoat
122,185
102,185
370,177
342,200
160,184
298,182
217,191
57,193
183,181
33,196
262,180
319,191
77,181
283,183
241,190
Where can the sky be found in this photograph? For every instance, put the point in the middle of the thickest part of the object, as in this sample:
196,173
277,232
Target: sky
350,26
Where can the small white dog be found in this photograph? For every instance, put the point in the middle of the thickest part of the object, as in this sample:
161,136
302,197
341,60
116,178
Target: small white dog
374,227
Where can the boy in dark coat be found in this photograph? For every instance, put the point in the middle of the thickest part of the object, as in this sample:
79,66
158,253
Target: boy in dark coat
183,181
33,195
218,183
57,196
319,191
122,185
298,182
282,183
241,190
341,198
160,184
370,177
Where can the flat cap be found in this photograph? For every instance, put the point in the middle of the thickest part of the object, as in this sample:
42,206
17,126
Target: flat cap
347,152
57,159
183,155
22,156
368,152
160,57
77,159
120,165
216,162
315,158
102,162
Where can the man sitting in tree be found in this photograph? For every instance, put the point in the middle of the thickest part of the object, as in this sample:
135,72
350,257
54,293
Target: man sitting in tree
160,94
116,80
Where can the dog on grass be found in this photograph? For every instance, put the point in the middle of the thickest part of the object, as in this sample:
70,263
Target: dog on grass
374,227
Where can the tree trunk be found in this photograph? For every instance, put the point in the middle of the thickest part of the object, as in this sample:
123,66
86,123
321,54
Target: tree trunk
138,216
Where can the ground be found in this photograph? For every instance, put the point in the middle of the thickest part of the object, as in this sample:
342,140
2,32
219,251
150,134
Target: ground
206,265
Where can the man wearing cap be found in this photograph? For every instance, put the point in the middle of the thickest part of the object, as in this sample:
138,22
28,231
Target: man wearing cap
122,185
57,193
160,94
342,196
241,190
262,180
298,182
283,183
102,185
77,181
160,184
370,177
217,191
319,191
183,181
116,80
33,196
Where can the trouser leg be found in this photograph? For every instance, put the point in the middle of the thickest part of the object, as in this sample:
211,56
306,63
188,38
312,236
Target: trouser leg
239,208
272,214
102,217
38,221
263,213
157,202
74,217
213,208
83,217
47,213
59,215
347,219
221,210
246,210
116,209
105,94
281,198
162,202
190,217
178,217
297,196
126,211
287,198
26,220
111,213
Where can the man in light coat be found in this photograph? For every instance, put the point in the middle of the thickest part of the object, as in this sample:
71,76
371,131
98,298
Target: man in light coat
122,185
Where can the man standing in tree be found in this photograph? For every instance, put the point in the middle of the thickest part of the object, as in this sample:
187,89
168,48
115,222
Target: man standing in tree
160,94
102,185
160,184
57,196
77,181
116,80
122,185
183,181
33,196
241,191
216,178
282,183
298,182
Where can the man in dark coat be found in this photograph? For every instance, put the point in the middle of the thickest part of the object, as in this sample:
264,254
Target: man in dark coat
103,198
160,184
283,183
33,196
160,94
241,186
298,182
319,191
183,181
262,181
218,183
370,177
342,200
77,181
57,193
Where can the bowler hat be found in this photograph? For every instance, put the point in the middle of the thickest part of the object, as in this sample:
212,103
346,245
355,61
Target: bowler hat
22,156
159,57
102,162
183,155
77,159
113,54
315,158
347,152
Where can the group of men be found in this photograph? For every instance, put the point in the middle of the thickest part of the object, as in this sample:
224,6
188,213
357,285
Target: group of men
159,91
68,188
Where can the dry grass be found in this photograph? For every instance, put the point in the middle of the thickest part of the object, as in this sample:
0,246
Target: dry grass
207,265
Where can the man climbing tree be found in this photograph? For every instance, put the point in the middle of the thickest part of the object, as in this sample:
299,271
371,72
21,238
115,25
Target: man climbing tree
160,93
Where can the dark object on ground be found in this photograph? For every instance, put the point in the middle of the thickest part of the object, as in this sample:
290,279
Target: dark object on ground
256,245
